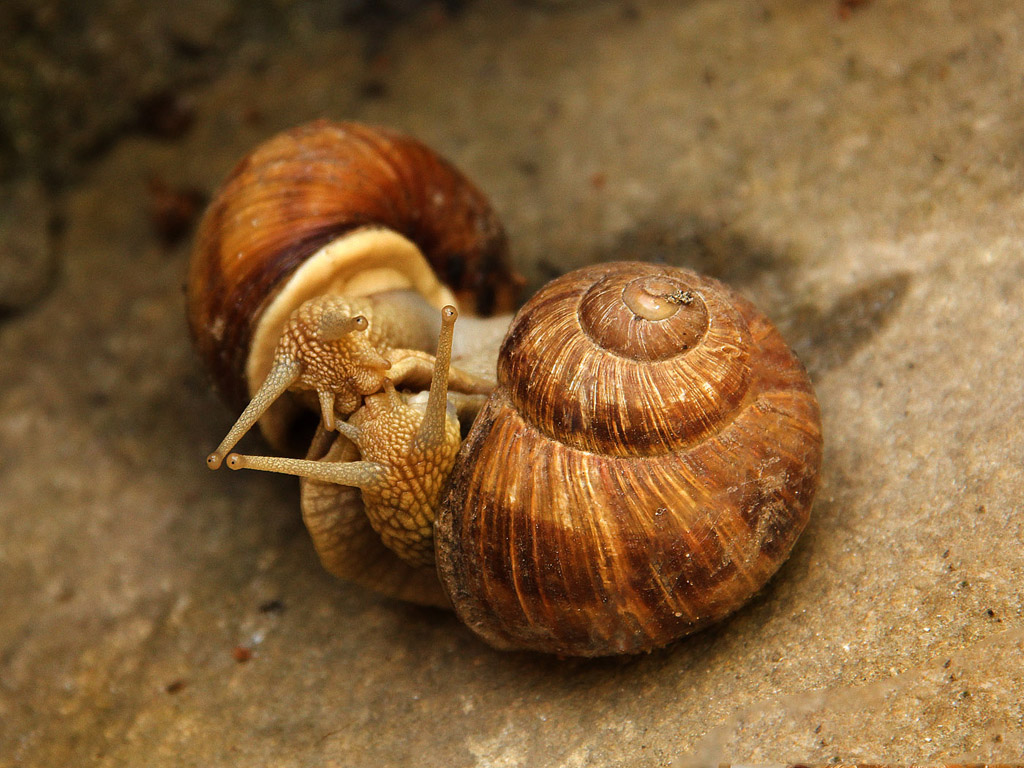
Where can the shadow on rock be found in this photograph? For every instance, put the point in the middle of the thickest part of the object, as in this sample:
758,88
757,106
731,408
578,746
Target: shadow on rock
827,338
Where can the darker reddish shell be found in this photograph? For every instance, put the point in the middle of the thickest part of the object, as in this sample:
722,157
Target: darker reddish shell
306,187
555,535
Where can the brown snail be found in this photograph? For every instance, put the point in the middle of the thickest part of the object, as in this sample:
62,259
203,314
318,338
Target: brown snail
645,463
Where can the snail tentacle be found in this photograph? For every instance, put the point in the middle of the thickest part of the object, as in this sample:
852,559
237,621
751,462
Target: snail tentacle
327,399
413,369
283,374
432,429
359,474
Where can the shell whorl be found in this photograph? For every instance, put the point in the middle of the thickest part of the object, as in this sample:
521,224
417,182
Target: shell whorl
580,522
305,188
615,382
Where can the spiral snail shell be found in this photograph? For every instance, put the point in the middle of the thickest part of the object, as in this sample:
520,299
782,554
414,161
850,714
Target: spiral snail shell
644,464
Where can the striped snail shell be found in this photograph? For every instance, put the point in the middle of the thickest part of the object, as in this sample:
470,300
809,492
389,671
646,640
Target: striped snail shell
646,463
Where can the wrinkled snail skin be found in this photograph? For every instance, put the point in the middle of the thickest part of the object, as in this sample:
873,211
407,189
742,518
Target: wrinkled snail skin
630,480
348,546
406,448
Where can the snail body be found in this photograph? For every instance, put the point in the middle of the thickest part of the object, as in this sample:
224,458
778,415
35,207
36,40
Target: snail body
644,464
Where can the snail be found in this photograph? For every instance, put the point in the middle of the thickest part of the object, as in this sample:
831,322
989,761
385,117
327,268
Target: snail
641,446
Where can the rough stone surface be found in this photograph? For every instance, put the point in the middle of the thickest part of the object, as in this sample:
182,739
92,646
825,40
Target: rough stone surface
26,244
854,168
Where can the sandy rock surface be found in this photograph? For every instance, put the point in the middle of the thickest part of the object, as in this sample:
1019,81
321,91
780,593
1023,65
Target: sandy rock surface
856,169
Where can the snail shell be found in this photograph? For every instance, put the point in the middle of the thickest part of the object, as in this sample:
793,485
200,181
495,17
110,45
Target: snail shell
337,208
645,465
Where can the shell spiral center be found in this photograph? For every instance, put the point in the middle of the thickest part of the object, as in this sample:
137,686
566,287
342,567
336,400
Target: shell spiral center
631,359
654,317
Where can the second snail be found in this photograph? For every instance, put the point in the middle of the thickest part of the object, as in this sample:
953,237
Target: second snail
626,461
